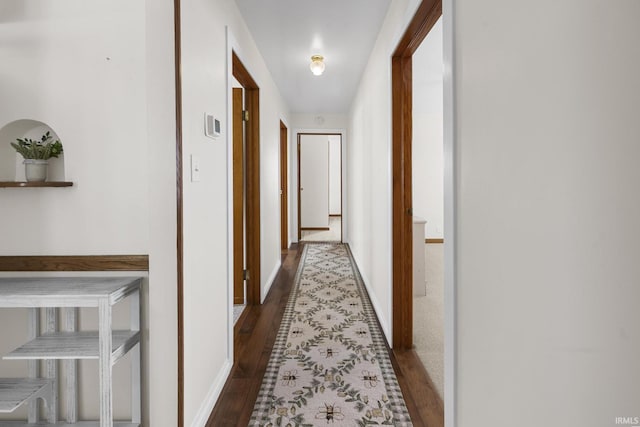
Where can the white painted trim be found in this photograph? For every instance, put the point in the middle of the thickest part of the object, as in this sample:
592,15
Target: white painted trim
293,146
450,214
270,280
202,416
374,302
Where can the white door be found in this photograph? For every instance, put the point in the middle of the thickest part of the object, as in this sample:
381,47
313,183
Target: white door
314,181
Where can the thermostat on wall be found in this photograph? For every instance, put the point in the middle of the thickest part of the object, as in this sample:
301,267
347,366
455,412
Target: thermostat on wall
211,126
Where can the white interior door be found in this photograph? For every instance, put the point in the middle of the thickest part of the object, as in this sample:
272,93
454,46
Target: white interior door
335,175
314,181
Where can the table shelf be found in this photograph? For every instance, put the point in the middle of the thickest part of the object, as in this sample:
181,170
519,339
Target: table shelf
14,392
73,345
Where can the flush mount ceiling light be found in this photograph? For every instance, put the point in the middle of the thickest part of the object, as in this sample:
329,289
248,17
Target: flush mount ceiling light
317,64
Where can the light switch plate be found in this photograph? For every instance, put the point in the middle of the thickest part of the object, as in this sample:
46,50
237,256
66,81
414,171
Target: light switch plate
195,168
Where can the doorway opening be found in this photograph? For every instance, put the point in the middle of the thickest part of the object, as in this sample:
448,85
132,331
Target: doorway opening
320,187
427,153
423,21
246,186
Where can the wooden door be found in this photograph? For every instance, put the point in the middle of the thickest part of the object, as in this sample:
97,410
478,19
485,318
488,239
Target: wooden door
238,198
314,182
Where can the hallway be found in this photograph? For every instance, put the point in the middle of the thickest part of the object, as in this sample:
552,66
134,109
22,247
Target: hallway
256,333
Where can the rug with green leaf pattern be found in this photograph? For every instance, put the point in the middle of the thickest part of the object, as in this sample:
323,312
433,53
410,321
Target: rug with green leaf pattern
329,365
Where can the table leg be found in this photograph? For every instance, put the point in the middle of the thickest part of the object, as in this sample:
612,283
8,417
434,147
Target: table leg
136,378
33,366
105,363
52,364
71,368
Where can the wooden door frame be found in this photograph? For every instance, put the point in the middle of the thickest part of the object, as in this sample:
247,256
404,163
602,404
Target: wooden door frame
424,19
299,134
252,171
284,187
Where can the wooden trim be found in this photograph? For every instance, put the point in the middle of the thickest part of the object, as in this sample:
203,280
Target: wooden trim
434,240
402,246
75,263
341,189
241,73
341,193
315,228
253,196
252,168
423,20
179,207
402,204
299,194
284,187
21,184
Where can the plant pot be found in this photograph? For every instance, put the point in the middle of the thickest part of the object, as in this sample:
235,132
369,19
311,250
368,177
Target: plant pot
35,170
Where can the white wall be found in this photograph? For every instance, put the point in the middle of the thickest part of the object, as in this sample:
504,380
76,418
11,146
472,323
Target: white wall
548,212
548,331
161,387
368,170
335,175
206,211
427,149
314,181
84,68
319,121
59,59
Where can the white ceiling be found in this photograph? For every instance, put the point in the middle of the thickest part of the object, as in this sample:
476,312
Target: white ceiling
288,32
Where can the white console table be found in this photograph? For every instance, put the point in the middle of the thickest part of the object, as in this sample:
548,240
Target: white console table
70,345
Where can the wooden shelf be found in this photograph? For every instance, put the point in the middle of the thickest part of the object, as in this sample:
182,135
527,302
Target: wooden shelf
19,184
73,345
16,391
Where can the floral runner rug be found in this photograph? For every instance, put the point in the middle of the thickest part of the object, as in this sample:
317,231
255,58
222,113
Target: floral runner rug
329,364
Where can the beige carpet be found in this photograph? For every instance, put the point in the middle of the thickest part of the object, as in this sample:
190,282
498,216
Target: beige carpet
428,317
334,234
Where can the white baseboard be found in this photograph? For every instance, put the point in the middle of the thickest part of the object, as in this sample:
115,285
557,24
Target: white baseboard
269,283
209,402
374,300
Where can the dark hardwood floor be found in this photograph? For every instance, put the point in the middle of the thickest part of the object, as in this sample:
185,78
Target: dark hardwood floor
255,334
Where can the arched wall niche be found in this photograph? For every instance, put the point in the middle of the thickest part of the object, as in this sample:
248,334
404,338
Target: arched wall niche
11,168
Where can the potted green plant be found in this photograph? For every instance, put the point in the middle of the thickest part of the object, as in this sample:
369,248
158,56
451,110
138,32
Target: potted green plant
36,155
